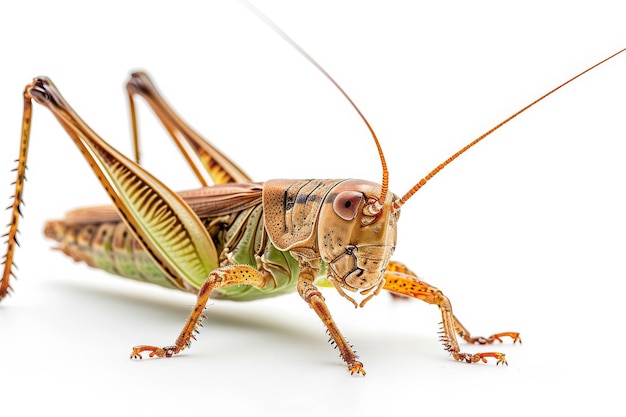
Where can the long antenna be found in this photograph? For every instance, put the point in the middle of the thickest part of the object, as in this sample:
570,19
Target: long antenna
385,182
398,203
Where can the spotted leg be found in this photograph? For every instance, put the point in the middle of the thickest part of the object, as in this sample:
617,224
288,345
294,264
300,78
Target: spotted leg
309,293
219,278
401,280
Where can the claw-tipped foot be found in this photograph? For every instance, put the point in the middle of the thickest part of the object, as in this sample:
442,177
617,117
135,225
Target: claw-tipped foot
480,357
356,367
494,338
159,352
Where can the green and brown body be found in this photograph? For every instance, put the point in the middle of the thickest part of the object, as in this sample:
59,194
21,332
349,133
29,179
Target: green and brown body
233,215
236,240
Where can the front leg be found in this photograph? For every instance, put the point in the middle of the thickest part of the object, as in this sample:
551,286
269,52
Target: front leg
401,280
309,292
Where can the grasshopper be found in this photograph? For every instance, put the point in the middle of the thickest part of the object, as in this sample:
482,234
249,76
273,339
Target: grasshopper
238,239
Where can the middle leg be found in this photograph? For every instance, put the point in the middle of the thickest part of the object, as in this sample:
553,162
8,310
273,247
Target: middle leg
219,278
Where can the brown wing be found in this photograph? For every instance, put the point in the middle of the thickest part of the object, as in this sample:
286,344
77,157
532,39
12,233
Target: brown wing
205,202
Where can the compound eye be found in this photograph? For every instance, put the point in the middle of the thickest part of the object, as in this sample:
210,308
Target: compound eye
347,203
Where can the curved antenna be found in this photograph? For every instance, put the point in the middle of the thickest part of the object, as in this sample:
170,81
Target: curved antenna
375,206
398,203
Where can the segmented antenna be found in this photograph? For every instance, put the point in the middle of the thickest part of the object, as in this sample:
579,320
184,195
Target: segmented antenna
398,203
376,206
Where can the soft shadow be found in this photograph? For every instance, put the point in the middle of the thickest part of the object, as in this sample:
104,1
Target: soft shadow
172,307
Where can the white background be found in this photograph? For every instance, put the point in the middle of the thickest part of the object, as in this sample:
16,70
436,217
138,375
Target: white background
526,232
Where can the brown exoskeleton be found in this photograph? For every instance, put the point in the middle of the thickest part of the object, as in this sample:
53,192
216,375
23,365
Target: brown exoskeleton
238,239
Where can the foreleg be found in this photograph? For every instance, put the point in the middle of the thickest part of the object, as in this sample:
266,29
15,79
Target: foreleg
401,280
309,293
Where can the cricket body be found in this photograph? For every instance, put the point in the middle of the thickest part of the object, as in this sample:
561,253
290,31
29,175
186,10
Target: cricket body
237,240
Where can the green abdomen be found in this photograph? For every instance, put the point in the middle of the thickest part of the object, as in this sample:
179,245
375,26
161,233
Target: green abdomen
240,238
